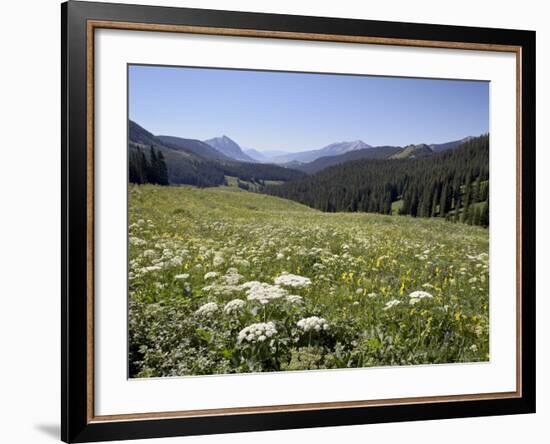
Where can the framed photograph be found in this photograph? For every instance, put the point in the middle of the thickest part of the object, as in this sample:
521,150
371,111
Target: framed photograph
275,221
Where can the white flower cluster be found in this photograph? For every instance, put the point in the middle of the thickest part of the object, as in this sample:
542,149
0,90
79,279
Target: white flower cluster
232,277
149,253
225,285
233,306
136,241
262,292
248,285
483,257
181,277
313,323
207,309
210,275
241,263
420,294
292,280
392,303
218,260
176,261
417,296
151,268
294,299
257,332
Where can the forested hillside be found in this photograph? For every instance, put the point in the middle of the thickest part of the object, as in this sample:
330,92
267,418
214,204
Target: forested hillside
379,152
376,152
149,168
452,184
196,147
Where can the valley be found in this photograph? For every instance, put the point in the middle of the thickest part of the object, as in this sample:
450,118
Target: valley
447,180
298,221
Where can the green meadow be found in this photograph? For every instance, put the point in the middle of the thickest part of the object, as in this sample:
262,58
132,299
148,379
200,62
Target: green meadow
224,280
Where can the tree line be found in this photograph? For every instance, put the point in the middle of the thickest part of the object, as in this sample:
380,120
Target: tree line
163,165
147,169
453,185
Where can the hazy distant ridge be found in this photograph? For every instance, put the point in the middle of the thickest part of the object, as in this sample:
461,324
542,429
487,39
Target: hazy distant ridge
229,148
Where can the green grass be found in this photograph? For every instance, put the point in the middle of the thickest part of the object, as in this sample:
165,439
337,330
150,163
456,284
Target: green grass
396,206
189,247
231,181
476,205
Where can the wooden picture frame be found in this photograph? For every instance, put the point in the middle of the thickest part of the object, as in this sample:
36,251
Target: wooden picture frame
79,22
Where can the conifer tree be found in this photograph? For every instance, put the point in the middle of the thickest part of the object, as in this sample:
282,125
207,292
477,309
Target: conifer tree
484,214
444,201
448,184
476,217
162,169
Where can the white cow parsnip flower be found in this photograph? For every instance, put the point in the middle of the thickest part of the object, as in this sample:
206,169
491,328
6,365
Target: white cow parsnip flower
417,296
392,303
210,275
292,280
207,309
294,299
262,292
313,323
257,332
234,306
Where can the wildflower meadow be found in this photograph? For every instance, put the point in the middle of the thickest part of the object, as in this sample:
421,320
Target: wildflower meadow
223,280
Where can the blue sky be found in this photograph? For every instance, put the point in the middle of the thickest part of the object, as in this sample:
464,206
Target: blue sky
297,111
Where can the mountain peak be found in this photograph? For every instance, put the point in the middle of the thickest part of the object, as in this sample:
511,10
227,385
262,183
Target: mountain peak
344,147
223,137
229,147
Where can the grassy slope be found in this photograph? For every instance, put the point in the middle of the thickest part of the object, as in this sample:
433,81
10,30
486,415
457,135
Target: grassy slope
357,262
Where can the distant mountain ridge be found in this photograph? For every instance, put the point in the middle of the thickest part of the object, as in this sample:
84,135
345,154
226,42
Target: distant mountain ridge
333,149
195,146
263,156
378,152
314,160
439,147
255,154
193,162
451,184
225,149
228,147
344,147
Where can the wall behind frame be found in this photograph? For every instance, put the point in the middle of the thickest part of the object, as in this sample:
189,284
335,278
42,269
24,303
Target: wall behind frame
30,218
